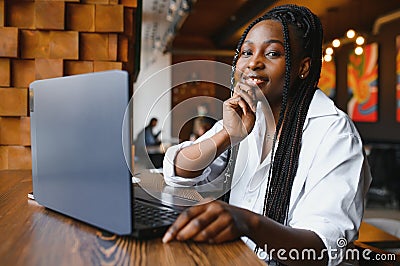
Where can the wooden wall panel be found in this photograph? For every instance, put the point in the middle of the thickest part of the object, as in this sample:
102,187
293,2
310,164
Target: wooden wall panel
49,15
109,18
102,66
123,46
94,46
128,3
21,14
128,66
5,72
22,72
48,68
129,22
76,1
95,1
64,45
77,67
112,47
8,42
3,158
1,13
15,131
50,44
13,102
18,157
50,38
34,44
80,17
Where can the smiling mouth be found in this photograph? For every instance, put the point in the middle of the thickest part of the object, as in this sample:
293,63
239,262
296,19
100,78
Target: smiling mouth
255,81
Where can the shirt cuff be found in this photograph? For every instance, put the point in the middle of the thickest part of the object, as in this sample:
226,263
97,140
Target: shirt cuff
170,177
335,242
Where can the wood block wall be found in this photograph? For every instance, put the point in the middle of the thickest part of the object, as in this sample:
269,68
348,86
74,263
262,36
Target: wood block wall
52,38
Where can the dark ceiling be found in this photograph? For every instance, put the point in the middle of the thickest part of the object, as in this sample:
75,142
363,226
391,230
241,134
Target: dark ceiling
216,25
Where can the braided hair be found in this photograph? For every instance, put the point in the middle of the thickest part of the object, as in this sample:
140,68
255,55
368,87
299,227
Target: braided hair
306,28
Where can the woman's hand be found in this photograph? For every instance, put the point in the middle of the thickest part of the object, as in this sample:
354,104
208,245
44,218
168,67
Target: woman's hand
239,113
211,221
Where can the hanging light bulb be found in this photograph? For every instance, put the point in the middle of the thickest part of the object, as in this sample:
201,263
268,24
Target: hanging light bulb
360,40
329,51
350,34
170,16
327,57
359,50
173,5
157,43
336,43
181,12
185,4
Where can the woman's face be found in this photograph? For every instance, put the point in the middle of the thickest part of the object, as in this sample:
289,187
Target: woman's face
261,61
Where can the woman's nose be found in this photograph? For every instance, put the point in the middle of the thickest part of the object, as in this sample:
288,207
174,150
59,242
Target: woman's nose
255,62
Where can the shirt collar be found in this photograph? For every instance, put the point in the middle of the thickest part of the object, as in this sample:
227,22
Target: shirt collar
321,105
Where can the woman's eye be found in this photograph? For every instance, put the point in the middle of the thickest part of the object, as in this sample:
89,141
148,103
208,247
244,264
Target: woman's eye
273,54
246,53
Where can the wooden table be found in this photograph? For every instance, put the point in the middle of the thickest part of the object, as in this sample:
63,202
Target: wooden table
370,233
370,237
33,235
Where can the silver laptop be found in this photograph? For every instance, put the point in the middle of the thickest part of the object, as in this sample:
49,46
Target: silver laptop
78,164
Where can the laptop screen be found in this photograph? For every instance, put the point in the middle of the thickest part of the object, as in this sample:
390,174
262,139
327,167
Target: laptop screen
78,163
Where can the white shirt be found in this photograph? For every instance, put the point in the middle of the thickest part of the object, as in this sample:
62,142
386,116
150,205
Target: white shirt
332,177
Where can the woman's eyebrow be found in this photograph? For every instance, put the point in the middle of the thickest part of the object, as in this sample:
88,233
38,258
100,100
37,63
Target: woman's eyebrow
266,42
274,41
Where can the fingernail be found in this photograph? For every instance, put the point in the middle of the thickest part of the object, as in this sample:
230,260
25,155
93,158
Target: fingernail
167,237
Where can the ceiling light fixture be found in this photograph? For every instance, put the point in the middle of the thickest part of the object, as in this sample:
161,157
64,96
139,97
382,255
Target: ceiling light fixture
350,34
336,43
327,58
329,51
348,39
359,50
360,40
178,10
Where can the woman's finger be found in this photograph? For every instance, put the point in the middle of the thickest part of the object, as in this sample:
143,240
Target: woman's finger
215,228
229,233
183,219
247,94
239,102
244,105
234,101
197,225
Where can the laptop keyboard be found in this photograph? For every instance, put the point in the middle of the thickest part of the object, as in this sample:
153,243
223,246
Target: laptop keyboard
153,216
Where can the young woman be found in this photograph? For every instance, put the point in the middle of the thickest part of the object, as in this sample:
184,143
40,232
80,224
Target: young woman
304,192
